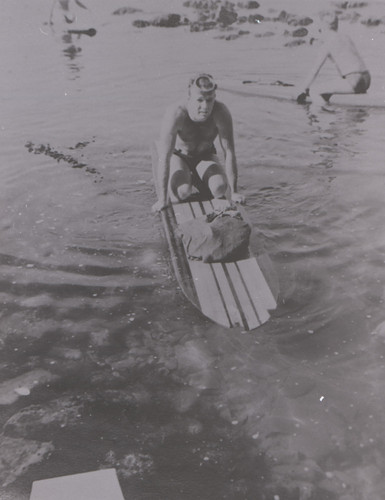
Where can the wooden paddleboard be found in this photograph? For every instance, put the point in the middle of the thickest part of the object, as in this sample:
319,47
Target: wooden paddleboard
289,93
231,294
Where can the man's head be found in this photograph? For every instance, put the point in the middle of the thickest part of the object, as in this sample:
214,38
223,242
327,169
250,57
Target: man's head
201,97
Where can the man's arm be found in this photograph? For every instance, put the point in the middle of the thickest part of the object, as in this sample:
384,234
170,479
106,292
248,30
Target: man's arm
226,136
168,133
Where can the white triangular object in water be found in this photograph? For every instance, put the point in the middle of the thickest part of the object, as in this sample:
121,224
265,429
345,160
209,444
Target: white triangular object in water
95,485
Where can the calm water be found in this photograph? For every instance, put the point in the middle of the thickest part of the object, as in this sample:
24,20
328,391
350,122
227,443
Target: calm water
184,409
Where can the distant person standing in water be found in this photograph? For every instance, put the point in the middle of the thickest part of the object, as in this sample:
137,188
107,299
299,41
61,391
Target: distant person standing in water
340,49
187,155
71,16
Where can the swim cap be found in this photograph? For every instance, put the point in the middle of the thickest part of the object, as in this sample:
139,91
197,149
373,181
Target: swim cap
204,82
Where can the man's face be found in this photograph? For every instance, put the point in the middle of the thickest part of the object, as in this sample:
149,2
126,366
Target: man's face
200,104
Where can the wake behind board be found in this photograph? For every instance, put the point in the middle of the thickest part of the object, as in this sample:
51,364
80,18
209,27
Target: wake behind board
230,294
289,93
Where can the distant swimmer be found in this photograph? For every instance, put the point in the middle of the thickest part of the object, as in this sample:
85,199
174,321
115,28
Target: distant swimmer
72,17
186,149
340,49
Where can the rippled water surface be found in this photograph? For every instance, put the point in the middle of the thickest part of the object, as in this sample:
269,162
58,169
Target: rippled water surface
122,371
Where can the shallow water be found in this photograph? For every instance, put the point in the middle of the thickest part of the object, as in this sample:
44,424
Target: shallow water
138,380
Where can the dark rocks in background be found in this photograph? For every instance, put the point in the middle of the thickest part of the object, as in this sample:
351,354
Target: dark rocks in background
249,5
167,21
265,34
372,22
300,32
233,36
293,19
126,10
282,17
255,19
211,14
139,23
204,16
229,37
351,5
201,4
164,21
226,16
302,21
295,43
202,26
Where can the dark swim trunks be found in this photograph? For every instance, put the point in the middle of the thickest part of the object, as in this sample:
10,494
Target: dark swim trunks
192,161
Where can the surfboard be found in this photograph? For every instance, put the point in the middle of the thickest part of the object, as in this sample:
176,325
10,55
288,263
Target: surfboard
232,294
249,88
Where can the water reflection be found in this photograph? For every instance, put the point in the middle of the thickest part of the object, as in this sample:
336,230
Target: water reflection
72,20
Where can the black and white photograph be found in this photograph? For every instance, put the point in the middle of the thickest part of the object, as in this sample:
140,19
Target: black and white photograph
192,259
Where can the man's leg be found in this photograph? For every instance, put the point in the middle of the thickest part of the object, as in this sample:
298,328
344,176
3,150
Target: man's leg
180,179
212,174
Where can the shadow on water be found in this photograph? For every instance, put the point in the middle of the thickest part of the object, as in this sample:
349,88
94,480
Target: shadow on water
335,131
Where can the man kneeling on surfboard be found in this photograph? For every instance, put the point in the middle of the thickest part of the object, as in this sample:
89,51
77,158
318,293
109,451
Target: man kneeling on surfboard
341,50
187,155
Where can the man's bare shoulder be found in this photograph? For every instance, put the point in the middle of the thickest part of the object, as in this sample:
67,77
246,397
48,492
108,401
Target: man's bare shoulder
174,118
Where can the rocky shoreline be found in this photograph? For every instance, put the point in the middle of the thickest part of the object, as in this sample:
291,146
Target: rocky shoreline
242,18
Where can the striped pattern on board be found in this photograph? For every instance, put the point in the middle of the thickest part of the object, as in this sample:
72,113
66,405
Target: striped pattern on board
231,294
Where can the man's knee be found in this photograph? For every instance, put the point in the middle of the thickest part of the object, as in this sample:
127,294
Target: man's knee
218,186
180,186
215,179
183,191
